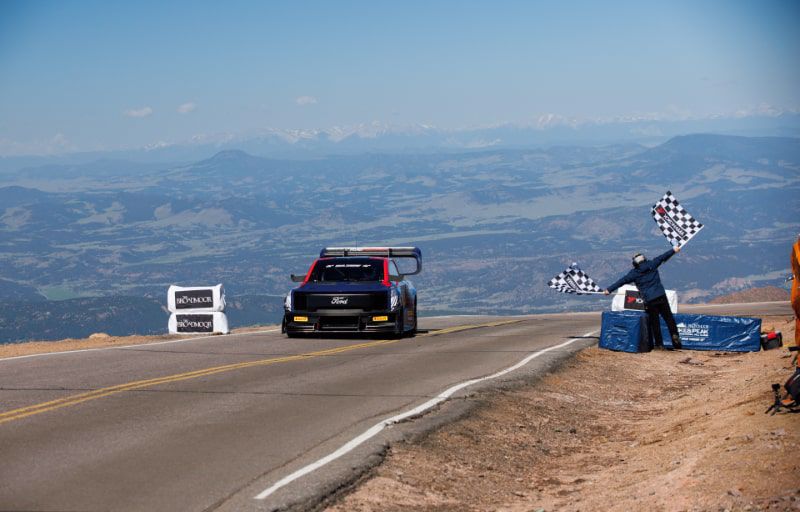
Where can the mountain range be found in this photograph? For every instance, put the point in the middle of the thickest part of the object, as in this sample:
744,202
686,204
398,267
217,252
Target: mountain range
494,225
382,138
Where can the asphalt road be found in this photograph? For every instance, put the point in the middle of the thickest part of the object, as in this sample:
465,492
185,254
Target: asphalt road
211,423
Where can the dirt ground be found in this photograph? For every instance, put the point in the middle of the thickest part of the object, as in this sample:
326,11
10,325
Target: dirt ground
669,431
100,340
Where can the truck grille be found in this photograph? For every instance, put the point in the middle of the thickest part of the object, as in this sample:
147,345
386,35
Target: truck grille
358,301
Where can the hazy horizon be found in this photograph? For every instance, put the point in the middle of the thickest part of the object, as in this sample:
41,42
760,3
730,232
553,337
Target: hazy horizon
98,76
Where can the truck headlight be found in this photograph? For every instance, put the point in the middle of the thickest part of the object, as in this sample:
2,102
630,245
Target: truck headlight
395,299
287,302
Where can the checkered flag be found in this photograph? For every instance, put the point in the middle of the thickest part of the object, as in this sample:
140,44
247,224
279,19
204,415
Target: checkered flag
574,280
674,221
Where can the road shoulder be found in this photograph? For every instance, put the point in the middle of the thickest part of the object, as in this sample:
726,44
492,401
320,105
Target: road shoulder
102,341
608,431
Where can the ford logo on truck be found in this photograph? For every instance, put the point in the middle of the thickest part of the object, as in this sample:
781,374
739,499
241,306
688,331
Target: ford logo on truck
339,300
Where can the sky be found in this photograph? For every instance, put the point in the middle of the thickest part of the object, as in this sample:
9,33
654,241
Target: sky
102,75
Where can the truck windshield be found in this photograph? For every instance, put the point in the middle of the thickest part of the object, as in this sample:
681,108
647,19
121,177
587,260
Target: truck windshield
347,269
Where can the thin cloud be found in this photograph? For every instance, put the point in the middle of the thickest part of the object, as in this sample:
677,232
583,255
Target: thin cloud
139,112
187,107
305,100
58,144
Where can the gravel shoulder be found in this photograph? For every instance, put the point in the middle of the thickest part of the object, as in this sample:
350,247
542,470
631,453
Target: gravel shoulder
101,340
664,431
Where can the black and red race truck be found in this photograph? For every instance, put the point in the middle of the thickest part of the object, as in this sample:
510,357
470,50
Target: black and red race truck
355,290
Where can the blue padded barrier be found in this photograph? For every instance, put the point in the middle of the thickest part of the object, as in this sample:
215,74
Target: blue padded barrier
723,333
627,331
624,331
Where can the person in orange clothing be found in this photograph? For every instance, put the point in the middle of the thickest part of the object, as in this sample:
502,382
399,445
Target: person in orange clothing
796,289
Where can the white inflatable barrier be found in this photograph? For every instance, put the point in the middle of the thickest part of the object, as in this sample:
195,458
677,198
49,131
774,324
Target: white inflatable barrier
181,299
198,322
627,297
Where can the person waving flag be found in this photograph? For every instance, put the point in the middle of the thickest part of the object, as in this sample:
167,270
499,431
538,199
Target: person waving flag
645,275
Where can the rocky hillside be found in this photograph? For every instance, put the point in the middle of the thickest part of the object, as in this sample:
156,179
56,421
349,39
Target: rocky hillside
763,294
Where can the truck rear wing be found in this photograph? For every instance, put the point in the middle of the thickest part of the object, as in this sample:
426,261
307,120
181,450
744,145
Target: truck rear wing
385,252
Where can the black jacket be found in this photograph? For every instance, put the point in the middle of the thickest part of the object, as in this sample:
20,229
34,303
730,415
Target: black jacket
646,277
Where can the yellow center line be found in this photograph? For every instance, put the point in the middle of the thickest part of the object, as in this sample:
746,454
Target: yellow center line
24,412
457,328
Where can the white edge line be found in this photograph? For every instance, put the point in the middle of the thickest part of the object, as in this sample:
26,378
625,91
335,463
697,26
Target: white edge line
216,336
375,429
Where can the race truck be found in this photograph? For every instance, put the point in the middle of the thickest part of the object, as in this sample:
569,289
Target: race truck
355,290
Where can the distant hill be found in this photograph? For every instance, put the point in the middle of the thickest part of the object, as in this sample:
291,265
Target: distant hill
11,291
78,318
44,320
763,294
494,226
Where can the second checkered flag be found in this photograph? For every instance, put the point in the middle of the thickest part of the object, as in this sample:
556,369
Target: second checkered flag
574,280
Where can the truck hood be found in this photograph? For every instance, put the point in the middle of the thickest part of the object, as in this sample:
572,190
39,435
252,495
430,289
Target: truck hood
342,287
